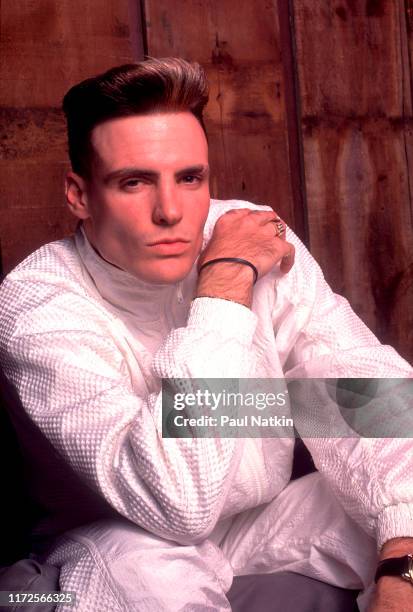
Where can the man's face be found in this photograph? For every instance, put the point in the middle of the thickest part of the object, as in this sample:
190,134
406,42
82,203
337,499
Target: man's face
148,198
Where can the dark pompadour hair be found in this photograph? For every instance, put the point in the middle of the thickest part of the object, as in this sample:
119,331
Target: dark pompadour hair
151,86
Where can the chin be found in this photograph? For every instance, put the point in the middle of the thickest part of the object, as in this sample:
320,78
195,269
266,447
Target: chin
166,274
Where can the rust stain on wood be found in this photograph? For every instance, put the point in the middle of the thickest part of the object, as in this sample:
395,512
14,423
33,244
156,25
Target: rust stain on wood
167,27
32,133
220,55
120,30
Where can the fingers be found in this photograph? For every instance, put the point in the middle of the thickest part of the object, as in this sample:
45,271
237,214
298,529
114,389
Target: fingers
284,251
266,216
263,216
287,260
279,227
258,217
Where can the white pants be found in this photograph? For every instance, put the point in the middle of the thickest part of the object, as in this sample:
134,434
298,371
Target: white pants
116,566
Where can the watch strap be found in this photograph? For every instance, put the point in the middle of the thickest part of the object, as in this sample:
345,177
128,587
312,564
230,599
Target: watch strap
396,566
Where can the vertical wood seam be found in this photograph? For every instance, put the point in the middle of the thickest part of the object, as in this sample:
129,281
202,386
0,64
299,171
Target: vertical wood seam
221,112
142,9
136,28
293,118
300,140
227,161
403,29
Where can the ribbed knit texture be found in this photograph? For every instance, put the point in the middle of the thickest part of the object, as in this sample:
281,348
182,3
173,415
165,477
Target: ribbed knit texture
88,369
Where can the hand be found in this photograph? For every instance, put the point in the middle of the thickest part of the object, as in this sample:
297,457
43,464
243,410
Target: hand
393,594
248,234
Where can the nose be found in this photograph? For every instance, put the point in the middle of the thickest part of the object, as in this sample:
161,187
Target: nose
167,209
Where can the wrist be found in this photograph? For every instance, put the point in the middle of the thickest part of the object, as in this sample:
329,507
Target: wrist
394,575
228,281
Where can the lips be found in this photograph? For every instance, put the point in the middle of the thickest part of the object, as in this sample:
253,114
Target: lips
170,246
168,241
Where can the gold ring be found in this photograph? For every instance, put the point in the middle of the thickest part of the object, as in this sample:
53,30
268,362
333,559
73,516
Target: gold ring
280,229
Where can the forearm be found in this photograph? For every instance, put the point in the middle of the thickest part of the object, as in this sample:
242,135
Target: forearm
112,436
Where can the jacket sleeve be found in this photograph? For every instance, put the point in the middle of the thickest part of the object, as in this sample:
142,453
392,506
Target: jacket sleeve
68,367
370,474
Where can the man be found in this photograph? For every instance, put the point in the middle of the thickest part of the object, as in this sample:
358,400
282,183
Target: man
91,325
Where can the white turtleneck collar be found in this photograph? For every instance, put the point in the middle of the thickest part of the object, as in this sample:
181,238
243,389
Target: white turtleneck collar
148,309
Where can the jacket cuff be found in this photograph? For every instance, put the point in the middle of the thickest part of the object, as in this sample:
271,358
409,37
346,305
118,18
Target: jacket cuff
395,522
228,319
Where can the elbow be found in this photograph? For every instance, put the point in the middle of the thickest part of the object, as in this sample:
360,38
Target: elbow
190,526
191,535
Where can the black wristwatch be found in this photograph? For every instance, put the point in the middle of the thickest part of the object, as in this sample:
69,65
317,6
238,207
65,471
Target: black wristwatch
396,566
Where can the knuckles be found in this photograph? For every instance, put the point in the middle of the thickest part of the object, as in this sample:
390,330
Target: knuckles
241,217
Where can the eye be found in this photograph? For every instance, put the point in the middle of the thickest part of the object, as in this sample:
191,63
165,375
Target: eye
191,179
131,183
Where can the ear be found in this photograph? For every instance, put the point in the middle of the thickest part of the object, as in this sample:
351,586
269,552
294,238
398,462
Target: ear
76,195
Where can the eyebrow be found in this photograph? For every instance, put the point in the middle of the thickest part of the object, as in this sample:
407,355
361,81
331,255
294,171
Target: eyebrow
132,171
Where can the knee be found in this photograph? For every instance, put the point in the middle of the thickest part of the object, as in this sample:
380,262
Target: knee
111,538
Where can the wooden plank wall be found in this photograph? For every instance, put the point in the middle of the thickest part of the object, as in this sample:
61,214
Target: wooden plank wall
239,46
314,119
356,115
353,111
45,47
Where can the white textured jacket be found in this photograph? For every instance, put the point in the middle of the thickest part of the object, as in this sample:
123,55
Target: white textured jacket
86,346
